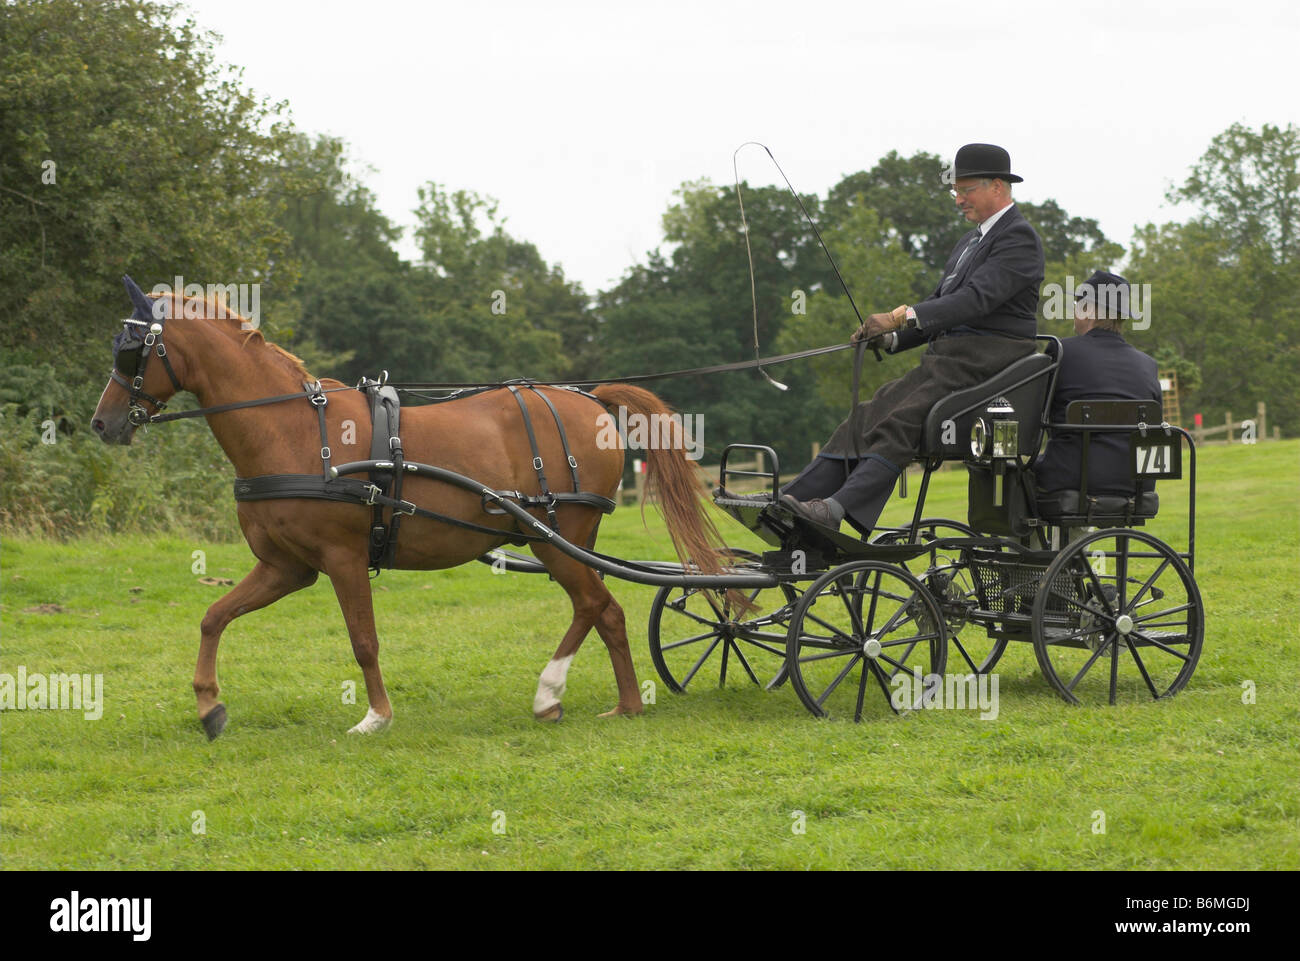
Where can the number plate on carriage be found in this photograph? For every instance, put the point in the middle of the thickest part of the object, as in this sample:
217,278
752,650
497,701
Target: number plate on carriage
1156,455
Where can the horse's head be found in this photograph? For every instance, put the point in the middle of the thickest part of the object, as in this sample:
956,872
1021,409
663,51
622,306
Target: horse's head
142,370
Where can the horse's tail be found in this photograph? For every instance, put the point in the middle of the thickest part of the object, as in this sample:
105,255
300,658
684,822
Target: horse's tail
671,482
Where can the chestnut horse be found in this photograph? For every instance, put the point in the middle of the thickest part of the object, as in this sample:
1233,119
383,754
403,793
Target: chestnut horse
212,353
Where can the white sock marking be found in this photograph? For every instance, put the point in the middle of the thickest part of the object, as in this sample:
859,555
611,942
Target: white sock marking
372,723
550,687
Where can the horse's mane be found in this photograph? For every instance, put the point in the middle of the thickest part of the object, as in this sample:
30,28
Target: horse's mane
215,311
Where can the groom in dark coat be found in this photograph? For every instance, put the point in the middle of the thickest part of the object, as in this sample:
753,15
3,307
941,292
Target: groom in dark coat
980,319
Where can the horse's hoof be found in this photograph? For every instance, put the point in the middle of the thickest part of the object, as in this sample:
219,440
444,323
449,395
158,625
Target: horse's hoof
372,723
623,712
551,714
214,722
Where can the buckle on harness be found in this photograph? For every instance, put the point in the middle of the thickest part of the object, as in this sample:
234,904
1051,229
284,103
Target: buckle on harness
404,507
537,463
372,491
325,453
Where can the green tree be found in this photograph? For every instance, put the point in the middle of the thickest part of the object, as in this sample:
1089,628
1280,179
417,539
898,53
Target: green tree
874,264
1247,185
126,146
494,307
697,300
910,194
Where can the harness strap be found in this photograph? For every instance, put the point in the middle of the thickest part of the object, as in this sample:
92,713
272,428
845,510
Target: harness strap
318,400
352,491
537,459
395,521
564,440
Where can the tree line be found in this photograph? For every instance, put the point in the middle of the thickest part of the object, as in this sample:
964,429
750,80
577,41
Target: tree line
128,146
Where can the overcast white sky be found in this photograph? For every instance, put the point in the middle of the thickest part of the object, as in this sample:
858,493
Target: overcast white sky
582,118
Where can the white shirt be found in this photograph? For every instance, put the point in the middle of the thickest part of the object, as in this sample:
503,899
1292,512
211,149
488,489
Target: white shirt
987,225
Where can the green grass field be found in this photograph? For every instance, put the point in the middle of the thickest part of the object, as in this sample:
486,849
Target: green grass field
713,779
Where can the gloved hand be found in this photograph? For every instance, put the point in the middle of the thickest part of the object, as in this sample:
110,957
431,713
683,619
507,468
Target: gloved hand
875,325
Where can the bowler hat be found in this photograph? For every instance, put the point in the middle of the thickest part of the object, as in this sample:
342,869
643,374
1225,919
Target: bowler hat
1109,292
984,160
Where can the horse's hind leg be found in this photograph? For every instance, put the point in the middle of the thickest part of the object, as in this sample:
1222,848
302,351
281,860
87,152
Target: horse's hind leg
265,584
351,581
593,605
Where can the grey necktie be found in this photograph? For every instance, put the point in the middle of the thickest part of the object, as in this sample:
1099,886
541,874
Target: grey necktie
952,277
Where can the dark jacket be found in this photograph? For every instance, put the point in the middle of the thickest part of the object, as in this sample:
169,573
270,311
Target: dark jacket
1100,365
996,290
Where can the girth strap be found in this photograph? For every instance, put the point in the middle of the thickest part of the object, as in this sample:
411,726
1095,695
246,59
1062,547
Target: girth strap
352,491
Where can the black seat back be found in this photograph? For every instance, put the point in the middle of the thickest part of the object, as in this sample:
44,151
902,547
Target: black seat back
1020,393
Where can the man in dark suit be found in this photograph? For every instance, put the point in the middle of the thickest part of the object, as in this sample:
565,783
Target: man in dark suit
1097,364
980,319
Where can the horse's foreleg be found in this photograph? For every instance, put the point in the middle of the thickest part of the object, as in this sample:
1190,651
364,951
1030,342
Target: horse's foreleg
593,605
263,585
613,631
352,587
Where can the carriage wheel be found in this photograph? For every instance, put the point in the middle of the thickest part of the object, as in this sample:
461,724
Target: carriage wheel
949,578
695,633
1118,618
864,625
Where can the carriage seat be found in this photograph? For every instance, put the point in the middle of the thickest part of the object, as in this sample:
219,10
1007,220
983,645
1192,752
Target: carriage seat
1017,394
1072,509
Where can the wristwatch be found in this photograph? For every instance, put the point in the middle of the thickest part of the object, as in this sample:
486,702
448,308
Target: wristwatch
910,320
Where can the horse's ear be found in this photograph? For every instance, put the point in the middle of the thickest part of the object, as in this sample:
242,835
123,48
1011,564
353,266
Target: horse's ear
144,306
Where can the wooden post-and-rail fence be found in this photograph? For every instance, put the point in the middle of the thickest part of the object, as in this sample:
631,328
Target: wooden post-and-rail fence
1238,431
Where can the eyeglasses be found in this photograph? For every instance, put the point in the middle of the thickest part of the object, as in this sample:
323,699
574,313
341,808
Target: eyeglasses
956,192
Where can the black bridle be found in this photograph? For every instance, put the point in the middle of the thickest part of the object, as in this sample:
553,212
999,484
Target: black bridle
131,354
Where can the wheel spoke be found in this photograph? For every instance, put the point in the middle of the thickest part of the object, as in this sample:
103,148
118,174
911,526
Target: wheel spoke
831,627
880,678
1142,669
871,614
862,690
1091,579
958,644
1053,592
1088,665
1114,671
1164,647
744,661
690,640
1133,604
695,617
1164,613
857,656
759,644
700,663
1121,580
837,652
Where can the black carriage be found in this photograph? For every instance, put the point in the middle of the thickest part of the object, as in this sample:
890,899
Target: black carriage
1112,611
